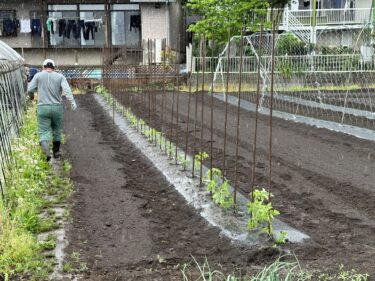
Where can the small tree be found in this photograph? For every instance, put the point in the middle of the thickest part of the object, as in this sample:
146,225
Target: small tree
219,16
290,45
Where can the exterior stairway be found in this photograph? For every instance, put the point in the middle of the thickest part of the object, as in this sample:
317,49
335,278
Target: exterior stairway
303,32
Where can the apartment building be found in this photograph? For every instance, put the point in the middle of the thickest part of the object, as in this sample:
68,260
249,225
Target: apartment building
330,22
76,32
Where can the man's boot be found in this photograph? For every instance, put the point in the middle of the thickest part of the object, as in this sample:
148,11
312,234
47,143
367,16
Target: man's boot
56,149
45,149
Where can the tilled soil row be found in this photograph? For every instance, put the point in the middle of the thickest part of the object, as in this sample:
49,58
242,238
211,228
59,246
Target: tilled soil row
128,223
323,182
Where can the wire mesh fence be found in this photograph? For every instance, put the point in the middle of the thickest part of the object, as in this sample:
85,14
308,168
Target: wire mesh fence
12,102
326,81
212,114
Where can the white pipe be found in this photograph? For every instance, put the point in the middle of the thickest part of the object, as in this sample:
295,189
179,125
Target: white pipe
167,22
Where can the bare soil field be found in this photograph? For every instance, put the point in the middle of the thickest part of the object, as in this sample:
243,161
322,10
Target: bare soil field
323,182
129,224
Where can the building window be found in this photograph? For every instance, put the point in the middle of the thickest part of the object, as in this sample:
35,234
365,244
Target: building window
9,25
125,25
347,38
93,31
76,25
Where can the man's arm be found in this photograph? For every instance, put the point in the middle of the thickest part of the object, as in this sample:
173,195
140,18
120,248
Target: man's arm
33,85
68,92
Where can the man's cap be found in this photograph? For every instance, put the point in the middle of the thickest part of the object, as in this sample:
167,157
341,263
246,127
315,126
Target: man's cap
49,63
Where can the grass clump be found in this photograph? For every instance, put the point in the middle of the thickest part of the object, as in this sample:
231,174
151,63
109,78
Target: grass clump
49,243
74,264
27,181
26,191
279,270
19,251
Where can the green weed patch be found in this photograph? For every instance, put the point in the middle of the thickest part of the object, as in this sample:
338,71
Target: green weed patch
30,183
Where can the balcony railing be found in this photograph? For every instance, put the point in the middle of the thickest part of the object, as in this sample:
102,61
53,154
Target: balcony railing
330,16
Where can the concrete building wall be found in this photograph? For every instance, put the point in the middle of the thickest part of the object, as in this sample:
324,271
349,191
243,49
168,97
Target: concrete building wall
363,4
154,21
176,32
329,39
159,21
332,4
22,7
354,38
80,57
25,10
163,21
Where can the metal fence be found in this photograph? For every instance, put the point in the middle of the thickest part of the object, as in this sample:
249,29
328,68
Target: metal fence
307,63
330,16
337,89
181,118
12,101
75,72
123,77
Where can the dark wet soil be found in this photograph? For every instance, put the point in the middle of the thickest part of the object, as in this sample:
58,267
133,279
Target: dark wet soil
127,222
323,182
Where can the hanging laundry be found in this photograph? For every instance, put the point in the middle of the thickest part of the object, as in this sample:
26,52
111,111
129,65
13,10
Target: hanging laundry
9,27
135,22
76,30
50,26
25,26
62,27
36,29
69,28
54,27
80,26
89,28
99,25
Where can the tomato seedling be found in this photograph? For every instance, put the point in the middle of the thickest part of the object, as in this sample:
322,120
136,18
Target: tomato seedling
261,212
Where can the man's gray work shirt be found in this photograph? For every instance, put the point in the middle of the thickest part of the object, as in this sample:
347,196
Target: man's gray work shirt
49,85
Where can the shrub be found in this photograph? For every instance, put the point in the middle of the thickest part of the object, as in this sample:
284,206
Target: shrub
291,46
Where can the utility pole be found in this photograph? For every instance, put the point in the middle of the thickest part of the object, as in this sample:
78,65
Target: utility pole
372,24
313,23
42,28
106,22
105,54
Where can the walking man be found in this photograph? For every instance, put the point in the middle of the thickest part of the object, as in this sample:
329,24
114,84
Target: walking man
50,108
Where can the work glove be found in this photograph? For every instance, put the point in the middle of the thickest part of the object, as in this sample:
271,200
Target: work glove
74,106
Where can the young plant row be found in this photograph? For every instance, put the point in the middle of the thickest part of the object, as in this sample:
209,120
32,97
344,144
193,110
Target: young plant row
29,192
259,210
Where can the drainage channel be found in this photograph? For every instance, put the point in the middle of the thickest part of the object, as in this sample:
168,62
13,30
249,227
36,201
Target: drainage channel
234,226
